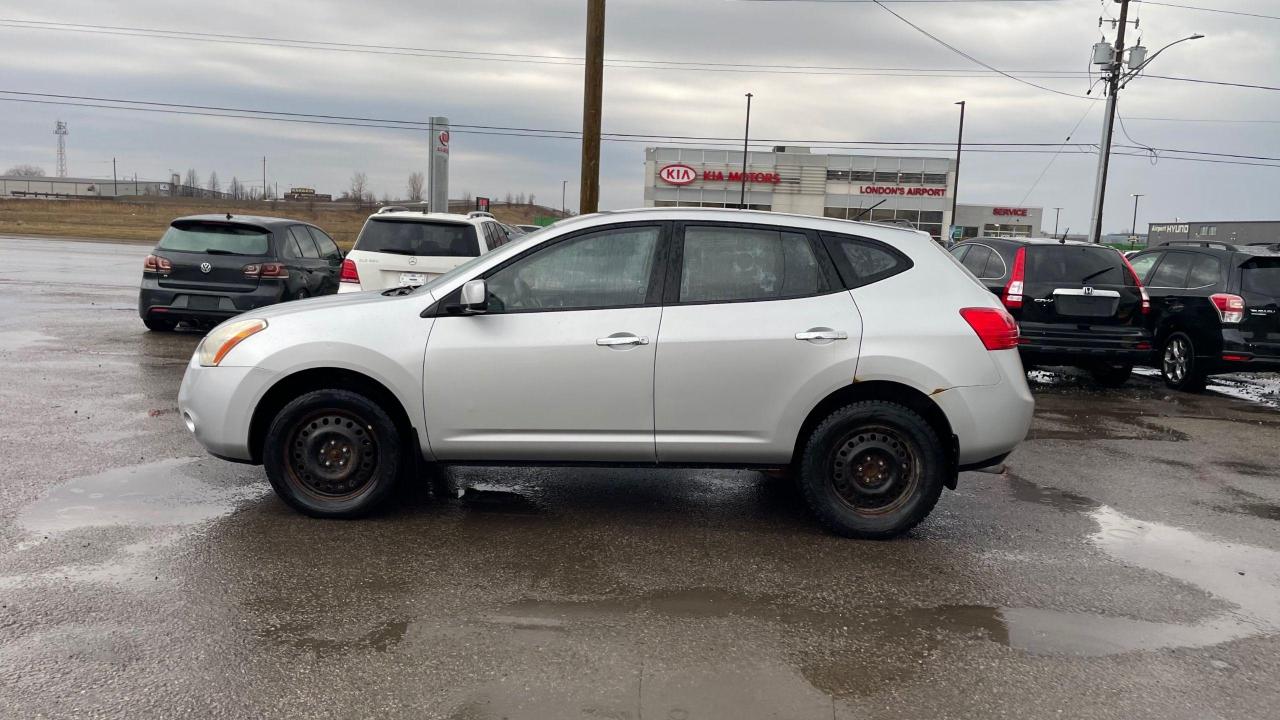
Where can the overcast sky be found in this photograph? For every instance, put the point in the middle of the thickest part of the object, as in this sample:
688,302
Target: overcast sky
1014,36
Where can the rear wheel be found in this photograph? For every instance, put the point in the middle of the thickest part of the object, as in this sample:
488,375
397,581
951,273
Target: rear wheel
158,325
872,470
1111,375
301,295
333,454
1178,364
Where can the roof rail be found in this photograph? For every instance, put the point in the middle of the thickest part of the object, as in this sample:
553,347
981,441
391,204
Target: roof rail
479,214
392,208
1200,243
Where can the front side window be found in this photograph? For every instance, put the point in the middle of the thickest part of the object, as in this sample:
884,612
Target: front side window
609,268
725,264
1142,265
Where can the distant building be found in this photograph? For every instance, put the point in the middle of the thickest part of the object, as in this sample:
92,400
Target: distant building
14,186
307,194
1236,232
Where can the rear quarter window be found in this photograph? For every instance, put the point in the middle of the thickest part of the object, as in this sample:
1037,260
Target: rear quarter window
861,261
200,237
1075,266
1261,276
408,237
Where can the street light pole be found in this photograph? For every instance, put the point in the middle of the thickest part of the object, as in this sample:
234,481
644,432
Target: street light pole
746,134
955,191
1057,213
1134,232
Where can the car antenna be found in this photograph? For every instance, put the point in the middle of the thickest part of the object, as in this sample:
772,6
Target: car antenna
1063,240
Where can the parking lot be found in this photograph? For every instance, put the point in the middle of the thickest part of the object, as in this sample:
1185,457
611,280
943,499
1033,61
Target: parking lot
1126,564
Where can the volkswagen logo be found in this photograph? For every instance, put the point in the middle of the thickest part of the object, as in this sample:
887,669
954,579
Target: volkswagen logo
205,267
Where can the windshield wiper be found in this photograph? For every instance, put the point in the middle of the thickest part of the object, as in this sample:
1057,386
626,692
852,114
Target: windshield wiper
1093,275
396,251
219,251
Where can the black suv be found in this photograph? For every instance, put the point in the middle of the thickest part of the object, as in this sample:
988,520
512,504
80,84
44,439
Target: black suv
1075,303
1215,308
209,267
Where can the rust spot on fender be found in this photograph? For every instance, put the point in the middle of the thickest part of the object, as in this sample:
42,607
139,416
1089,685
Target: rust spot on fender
939,391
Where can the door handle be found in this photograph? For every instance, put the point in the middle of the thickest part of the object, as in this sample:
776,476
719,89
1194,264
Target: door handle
612,341
822,335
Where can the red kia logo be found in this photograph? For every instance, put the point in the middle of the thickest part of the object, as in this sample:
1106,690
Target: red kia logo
678,174
444,138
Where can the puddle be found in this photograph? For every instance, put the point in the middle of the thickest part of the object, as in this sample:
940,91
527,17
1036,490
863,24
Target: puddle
169,492
1266,511
496,499
381,638
1061,500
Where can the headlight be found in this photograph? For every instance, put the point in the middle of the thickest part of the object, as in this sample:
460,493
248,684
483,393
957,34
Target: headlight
226,336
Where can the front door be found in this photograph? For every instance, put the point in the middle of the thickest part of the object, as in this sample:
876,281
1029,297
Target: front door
754,334
560,367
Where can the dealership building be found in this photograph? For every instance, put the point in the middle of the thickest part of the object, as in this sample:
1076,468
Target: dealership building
876,188
1241,232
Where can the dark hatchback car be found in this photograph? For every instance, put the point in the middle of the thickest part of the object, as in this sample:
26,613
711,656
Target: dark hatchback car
1215,308
207,268
1076,304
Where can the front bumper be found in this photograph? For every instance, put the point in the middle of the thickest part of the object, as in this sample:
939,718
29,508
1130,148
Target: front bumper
1065,344
217,405
184,304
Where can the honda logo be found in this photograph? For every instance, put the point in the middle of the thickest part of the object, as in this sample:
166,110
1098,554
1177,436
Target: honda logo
205,267
1088,290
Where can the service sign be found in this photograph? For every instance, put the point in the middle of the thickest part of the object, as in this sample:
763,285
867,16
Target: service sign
678,174
1009,212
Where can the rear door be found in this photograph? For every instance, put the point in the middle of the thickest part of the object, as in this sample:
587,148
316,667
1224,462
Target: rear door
211,255
1085,285
395,252
332,258
1260,288
754,332
312,264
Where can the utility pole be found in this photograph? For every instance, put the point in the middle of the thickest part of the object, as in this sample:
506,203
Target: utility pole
592,99
746,135
1115,70
1057,213
564,187
264,177
1134,232
113,178
955,191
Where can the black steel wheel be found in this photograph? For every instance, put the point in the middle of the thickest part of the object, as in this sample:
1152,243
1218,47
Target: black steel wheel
1178,364
333,453
873,469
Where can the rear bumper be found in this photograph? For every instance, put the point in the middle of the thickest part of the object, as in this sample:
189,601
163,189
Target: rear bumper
990,420
1072,344
182,304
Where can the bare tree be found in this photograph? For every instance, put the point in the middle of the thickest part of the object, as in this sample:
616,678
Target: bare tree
25,171
359,187
236,189
467,198
214,185
416,181
192,182
531,202
508,200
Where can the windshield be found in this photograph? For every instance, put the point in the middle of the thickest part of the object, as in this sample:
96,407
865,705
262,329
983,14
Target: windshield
412,237
200,237
1075,265
1262,276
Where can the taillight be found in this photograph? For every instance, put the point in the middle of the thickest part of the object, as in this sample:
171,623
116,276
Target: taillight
995,326
155,263
1013,291
1146,299
349,273
266,270
1230,307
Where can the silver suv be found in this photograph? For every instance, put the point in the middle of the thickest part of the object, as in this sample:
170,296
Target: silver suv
861,357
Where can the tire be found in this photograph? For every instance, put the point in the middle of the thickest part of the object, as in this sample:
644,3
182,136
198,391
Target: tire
1111,375
871,434
1178,364
345,429
301,295
156,325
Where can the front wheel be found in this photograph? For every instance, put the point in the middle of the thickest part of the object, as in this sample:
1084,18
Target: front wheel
333,454
1111,375
1178,364
872,470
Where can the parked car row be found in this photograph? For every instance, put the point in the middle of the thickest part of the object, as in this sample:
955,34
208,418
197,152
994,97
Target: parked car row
207,268
1189,308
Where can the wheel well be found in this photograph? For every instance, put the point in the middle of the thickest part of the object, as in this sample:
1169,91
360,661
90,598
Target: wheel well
305,381
880,390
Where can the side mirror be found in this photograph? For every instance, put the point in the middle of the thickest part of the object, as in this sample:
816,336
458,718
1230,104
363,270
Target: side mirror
475,297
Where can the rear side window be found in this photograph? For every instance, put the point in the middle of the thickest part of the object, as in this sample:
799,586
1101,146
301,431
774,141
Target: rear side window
1261,276
724,264
303,238
1075,265
408,237
216,238
862,262
1205,271
984,263
328,248
1172,272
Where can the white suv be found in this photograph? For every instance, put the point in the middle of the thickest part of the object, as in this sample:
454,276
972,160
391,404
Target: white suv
862,357
402,248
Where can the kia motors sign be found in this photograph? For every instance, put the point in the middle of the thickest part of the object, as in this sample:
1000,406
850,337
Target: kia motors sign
678,174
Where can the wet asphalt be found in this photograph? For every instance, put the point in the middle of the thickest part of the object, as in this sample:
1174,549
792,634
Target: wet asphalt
1126,565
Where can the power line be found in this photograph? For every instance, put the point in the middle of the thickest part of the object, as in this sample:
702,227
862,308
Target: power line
1212,82
1212,10
967,56
1198,120
1055,155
